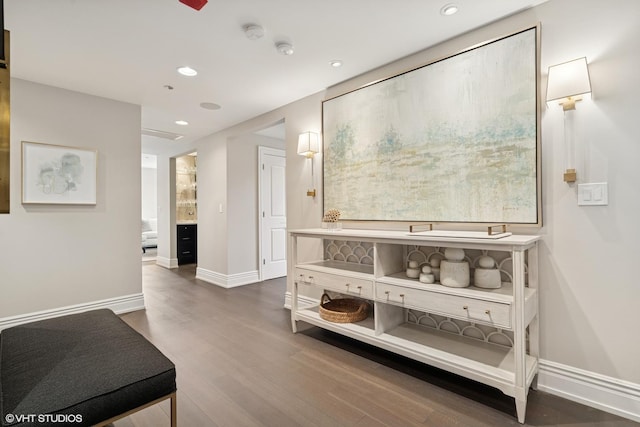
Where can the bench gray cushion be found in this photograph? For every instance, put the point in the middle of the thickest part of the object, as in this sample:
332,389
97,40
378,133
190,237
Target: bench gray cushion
92,364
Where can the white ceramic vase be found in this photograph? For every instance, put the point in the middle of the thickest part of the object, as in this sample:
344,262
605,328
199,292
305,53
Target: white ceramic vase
413,273
427,278
454,274
487,278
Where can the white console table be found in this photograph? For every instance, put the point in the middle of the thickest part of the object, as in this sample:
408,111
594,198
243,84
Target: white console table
488,335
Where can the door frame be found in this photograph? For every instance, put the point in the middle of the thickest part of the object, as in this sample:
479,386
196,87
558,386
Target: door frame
262,151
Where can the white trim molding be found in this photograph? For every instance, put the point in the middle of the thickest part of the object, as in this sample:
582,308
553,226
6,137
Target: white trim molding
167,262
608,394
118,305
227,280
303,301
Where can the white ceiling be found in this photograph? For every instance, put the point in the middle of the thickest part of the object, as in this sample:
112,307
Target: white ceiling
129,50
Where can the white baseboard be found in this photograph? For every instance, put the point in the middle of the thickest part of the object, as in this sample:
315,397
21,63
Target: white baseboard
119,305
302,301
167,262
589,388
227,280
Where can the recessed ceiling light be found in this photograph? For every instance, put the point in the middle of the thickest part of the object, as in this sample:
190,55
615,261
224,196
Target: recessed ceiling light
336,63
448,9
210,106
187,71
182,122
253,31
284,48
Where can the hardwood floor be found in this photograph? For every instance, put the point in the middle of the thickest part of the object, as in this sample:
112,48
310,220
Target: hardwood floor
239,364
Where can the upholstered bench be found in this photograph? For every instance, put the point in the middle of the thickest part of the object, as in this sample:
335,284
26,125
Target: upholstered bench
82,369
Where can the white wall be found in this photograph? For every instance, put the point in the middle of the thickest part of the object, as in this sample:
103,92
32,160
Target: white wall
228,205
587,271
243,200
149,192
212,197
55,256
166,193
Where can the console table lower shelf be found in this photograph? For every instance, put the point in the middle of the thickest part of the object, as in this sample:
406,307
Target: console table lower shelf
487,363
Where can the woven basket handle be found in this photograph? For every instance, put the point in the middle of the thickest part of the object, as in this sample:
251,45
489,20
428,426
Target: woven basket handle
363,307
322,299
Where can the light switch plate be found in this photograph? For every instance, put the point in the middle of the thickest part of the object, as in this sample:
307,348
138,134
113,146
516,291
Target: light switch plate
593,194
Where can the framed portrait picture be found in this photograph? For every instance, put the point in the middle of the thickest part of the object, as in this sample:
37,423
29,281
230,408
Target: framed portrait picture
55,174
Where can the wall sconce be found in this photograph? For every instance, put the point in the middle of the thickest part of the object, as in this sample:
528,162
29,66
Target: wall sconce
309,146
566,84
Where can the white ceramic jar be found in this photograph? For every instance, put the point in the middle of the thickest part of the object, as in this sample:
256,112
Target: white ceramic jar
454,274
486,276
454,271
413,272
427,278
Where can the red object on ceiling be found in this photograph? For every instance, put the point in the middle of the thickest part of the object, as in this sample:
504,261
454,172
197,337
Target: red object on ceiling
196,4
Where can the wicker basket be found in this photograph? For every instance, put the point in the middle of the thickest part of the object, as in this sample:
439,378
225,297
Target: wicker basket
343,310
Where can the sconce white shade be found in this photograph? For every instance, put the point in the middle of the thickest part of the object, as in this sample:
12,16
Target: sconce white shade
308,144
568,81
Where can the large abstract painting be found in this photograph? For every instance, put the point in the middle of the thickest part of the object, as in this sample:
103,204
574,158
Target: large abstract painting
453,141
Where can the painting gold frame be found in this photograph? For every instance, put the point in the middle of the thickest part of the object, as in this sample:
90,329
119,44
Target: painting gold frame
5,120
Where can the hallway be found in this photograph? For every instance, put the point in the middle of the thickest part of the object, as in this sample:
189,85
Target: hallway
238,364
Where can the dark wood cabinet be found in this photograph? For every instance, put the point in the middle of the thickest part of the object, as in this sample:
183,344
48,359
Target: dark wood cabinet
187,243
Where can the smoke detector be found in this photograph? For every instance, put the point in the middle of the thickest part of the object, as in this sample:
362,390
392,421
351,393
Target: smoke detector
253,31
284,48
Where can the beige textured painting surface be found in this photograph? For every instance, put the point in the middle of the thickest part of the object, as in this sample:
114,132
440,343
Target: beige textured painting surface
452,141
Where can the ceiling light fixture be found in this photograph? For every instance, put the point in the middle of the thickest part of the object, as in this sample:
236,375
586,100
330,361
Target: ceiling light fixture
182,122
448,9
253,31
284,48
187,71
336,63
210,106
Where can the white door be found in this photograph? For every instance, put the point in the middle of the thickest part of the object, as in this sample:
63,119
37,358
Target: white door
273,213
